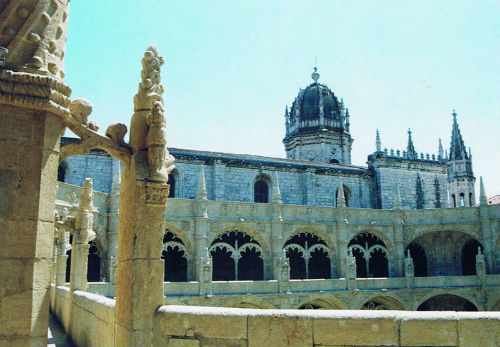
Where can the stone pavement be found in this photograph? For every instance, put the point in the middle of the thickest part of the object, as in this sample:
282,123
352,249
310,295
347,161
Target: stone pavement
57,337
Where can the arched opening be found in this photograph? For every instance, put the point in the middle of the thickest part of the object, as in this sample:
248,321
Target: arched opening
417,252
68,265
462,200
334,161
236,256
171,182
61,171
371,255
347,196
261,190
443,250
469,252
470,200
175,257
447,302
382,303
309,256
454,200
94,263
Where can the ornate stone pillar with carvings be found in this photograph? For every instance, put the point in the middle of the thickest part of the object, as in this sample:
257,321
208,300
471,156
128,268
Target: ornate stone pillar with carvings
33,109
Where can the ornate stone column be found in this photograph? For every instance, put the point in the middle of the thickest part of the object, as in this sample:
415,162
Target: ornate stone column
143,201
61,247
81,237
201,227
33,109
272,271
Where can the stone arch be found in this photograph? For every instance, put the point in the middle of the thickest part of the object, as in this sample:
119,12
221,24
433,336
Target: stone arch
309,256
262,188
236,255
322,303
469,253
323,235
380,234
443,296
181,235
371,253
443,249
383,302
494,303
250,231
465,229
251,302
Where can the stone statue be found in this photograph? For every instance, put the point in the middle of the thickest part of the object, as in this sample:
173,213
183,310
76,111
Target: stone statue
84,217
80,110
480,266
351,265
409,267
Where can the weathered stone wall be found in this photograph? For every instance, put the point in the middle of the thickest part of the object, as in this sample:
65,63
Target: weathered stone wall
96,165
391,171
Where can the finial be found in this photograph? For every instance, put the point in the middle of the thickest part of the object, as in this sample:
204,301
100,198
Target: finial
378,143
340,195
397,199
483,200
440,150
315,75
286,110
276,195
201,194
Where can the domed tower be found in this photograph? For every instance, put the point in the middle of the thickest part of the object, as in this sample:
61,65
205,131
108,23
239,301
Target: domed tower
317,126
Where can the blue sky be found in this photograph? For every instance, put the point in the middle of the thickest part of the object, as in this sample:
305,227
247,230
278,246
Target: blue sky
232,67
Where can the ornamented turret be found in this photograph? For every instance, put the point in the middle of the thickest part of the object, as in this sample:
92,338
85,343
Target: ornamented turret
317,126
440,150
410,148
378,143
461,180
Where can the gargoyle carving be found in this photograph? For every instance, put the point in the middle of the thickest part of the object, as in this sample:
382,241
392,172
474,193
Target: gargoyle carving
113,143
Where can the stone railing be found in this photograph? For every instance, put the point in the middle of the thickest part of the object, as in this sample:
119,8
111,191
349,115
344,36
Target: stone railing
196,326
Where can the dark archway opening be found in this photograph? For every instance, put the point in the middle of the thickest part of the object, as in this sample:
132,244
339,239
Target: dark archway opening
297,264
316,251
174,256
250,265
236,248
364,246
171,181
94,264
469,252
419,259
68,265
447,302
61,172
379,265
261,191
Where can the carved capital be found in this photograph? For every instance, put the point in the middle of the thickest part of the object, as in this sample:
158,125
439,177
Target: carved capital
157,193
35,92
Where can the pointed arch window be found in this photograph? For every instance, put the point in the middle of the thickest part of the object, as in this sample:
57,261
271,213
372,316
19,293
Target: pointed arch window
371,255
454,200
172,180
236,256
61,171
470,200
261,189
175,256
462,200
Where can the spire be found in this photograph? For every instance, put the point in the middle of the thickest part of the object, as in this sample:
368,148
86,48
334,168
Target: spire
201,193
315,75
378,144
410,149
347,123
276,195
483,200
440,150
457,147
397,199
340,195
